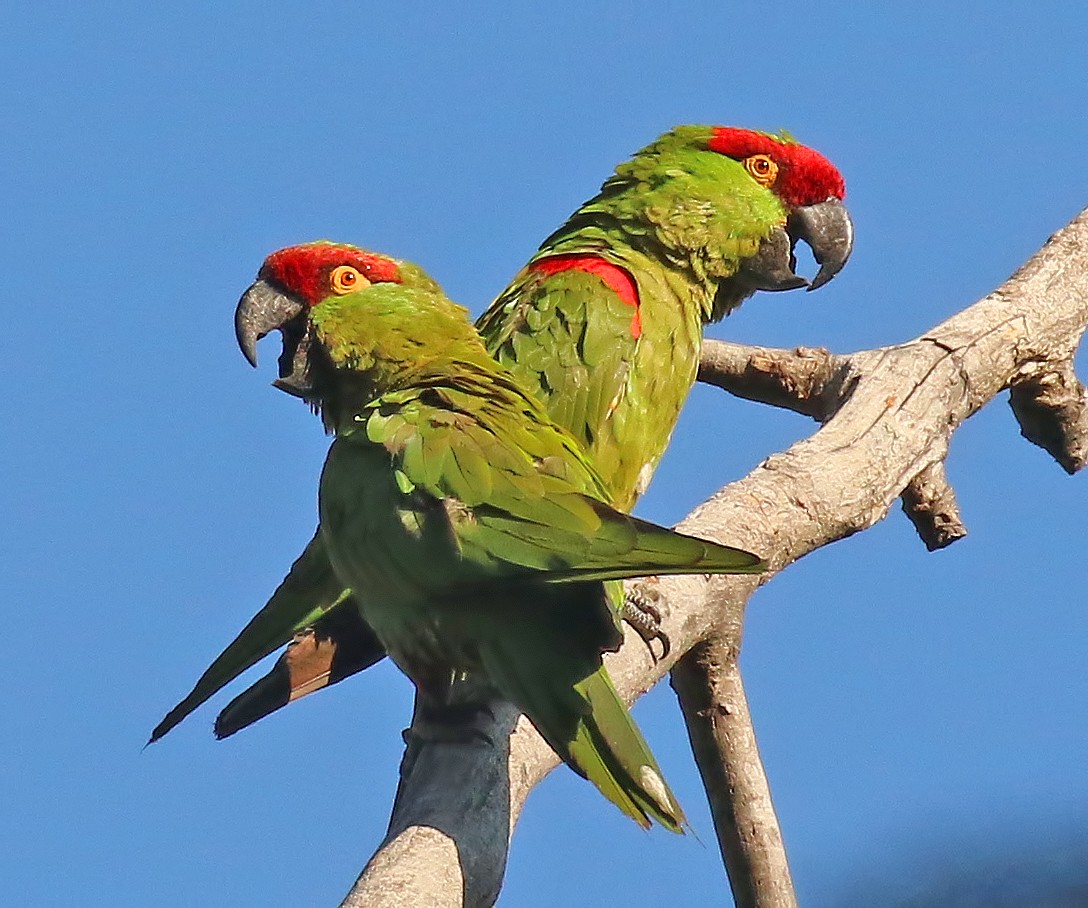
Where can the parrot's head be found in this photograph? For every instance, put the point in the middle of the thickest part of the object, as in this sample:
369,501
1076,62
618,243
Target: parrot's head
735,203
294,281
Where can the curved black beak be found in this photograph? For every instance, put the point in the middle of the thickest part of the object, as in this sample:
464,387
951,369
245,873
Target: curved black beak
826,228
261,309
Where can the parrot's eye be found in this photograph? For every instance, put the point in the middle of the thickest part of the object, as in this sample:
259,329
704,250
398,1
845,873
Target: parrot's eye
346,279
762,168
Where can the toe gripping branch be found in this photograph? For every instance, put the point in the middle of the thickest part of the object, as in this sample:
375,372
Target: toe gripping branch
644,610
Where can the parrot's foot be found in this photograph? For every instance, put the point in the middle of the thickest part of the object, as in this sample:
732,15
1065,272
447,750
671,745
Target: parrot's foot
644,609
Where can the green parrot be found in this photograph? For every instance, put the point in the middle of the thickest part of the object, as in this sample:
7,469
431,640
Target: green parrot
604,325
474,532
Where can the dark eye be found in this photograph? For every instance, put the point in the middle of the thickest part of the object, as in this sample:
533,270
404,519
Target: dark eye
762,168
346,279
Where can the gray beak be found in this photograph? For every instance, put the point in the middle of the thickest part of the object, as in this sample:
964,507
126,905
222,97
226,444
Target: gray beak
261,309
826,228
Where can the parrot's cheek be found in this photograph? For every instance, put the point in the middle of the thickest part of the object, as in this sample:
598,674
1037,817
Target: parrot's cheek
773,266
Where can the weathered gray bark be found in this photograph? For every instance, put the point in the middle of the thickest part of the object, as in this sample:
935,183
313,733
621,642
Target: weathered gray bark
708,684
888,416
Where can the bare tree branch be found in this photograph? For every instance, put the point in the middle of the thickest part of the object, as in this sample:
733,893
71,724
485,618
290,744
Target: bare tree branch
893,411
792,379
708,683
930,503
1052,408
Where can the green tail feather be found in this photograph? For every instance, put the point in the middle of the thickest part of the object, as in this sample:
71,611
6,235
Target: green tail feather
589,727
339,645
615,757
310,590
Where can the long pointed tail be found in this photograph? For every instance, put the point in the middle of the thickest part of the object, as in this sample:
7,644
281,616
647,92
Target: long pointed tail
589,727
339,645
610,750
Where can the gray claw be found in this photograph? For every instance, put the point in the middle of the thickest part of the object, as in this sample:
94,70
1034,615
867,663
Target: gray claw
642,610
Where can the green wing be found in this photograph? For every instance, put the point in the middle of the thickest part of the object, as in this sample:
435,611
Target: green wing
613,374
519,495
309,590
621,546
569,339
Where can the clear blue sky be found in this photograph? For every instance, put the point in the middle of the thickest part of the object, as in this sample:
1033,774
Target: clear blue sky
908,705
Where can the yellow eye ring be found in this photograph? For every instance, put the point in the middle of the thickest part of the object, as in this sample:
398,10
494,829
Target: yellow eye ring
762,169
346,279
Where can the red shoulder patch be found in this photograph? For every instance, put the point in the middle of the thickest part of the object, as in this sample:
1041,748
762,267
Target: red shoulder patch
617,279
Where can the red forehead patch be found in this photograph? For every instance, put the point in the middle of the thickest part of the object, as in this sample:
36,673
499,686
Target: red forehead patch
304,270
805,177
